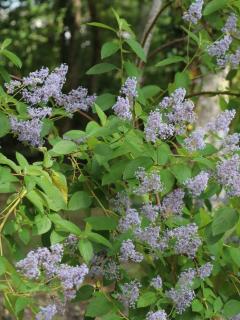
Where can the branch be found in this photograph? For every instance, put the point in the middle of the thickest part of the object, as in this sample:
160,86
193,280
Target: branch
168,44
214,93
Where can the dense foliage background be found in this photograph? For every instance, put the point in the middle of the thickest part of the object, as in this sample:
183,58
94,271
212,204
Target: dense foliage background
122,199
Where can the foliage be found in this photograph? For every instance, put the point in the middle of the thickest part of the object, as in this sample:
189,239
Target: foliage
137,214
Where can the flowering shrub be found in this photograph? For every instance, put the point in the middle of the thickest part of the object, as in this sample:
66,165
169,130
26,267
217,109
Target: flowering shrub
137,214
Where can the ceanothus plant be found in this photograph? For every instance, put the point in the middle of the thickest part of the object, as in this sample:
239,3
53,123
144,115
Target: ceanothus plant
156,235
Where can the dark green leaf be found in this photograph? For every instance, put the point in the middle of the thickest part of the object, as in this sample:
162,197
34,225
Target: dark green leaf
79,200
136,47
101,68
86,249
224,219
108,49
170,60
98,306
214,6
146,299
95,237
102,222
4,125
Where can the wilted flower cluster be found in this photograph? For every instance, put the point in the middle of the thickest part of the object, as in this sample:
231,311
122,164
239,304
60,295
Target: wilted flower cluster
197,184
194,12
228,175
123,106
149,182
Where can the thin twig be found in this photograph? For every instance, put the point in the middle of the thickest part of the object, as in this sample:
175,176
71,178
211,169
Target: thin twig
166,45
214,93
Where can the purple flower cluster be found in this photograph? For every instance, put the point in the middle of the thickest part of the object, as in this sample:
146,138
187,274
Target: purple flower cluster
231,143
196,140
150,211
48,261
77,99
194,12
129,294
231,24
222,122
205,270
123,106
128,252
158,315
47,313
220,47
173,203
149,235
182,297
155,127
27,131
186,240
156,282
130,220
228,174
39,113
197,184
111,270
129,88
149,182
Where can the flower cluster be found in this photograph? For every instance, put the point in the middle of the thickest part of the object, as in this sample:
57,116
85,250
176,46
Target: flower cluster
128,252
174,114
156,282
123,106
185,240
130,220
149,182
47,313
220,47
173,203
47,262
196,140
228,174
129,294
197,184
194,13
150,211
158,315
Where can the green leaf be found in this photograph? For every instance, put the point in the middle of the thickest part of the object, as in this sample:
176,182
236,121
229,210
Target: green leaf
8,162
182,172
6,42
167,180
105,101
64,147
131,69
170,60
86,249
136,47
101,68
37,200
134,164
101,25
214,6
24,235
197,306
21,160
150,91
109,48
146,299
235,255
101,114
95,237
12,57
84,293
4,125
231,308
21,304
102,222
162,154
5,75
79,200
224,219
191,35
43,224
65,225
98,306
